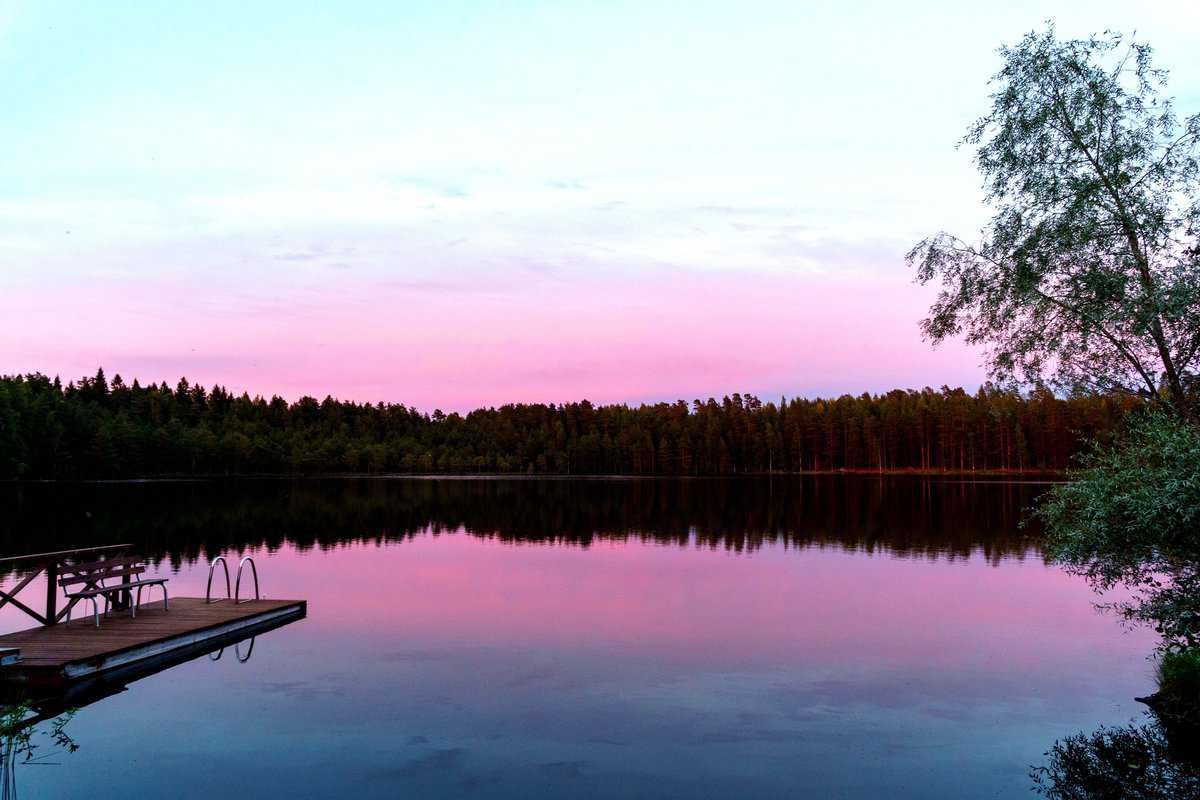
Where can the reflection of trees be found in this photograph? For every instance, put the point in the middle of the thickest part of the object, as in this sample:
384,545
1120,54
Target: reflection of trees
28,724
181,520
23,735
1132,762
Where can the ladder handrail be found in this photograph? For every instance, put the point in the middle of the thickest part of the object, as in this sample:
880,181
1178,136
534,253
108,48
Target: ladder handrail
211,568
237,650
237,587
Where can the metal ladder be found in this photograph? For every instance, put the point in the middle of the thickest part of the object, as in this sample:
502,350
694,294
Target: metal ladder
237,590
237,587
237,652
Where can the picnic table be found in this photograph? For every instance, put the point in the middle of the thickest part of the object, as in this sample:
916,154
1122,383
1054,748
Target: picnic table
52,564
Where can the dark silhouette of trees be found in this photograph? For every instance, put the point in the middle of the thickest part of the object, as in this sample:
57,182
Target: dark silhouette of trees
182,521
94,428
1129,762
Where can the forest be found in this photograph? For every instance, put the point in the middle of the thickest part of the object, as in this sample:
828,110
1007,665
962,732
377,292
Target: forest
94,428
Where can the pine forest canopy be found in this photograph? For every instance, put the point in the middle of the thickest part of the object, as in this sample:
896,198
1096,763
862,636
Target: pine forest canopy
91,429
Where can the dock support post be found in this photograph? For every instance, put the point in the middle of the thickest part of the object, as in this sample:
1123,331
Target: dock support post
51,592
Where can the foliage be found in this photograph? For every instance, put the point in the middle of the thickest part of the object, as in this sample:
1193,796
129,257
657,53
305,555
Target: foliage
18,724
17,733
1131,515
1179,676
1177,701
1133,762
89,429
1088,274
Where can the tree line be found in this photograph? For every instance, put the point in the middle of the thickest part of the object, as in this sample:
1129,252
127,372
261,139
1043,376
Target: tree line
96,429
187,521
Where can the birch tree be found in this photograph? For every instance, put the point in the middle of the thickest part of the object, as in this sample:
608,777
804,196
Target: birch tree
1087,277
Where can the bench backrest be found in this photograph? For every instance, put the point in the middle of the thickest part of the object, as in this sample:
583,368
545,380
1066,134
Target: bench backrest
95,572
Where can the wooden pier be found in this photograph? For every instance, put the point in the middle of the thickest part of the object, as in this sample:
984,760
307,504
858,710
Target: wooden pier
135,637
59,653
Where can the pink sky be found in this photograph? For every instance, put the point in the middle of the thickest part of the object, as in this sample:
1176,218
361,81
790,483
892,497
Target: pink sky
462,340
475,207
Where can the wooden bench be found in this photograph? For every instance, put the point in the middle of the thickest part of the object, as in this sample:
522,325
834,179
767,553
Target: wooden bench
92,576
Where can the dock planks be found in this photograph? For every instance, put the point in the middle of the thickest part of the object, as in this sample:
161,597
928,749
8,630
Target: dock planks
65,652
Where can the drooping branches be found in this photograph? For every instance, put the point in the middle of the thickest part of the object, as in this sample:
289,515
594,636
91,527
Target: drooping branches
1088,274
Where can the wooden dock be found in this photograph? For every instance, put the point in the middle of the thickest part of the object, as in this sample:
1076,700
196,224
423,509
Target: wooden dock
58,653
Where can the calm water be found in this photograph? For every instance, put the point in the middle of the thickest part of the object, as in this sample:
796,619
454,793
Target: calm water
823,637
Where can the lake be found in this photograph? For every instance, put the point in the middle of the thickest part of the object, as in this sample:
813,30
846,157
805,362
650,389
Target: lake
826,637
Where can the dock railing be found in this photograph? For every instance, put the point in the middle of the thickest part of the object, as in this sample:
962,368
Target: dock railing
51,564
237,589
237,586
211,568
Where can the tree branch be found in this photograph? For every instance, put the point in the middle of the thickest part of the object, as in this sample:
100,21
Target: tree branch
1139,255
1078,313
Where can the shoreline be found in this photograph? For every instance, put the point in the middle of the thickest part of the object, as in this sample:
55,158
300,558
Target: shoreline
1030,476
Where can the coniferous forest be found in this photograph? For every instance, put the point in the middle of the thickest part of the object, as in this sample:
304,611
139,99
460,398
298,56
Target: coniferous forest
94,428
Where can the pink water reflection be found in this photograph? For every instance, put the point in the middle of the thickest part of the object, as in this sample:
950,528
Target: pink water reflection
819,606
436,663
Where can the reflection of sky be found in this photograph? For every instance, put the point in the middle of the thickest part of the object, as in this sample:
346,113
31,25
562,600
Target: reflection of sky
462,203
449,665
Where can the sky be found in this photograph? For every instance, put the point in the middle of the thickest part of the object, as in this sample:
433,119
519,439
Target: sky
455,205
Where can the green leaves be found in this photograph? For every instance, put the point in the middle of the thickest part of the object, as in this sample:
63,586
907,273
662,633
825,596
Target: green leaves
1133,762
1088,275
1131,515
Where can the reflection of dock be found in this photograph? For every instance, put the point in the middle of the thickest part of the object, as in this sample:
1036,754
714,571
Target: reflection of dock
52,654
67,671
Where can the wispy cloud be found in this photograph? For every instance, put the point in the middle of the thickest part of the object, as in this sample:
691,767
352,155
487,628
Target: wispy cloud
519,208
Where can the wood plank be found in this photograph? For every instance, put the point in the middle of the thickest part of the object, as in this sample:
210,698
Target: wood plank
95,576
115,561
81,648
8,594
101,591
59,554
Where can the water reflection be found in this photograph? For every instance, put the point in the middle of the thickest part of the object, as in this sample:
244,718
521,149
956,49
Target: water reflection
186,519
28,736
34,719
1145,761
847,638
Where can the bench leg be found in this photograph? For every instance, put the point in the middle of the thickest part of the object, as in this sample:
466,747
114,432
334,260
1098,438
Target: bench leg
166,602
96,611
